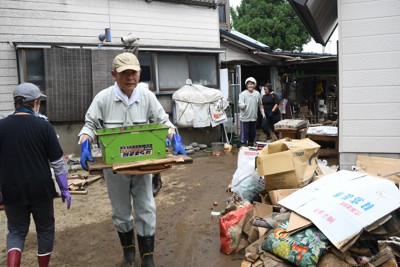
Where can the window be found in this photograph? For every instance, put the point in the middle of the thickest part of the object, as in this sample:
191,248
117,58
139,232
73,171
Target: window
64,75
201,69
171,78
71,77
222,13
146,64
33,70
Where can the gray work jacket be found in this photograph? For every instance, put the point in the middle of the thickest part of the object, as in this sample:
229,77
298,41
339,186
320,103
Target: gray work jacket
108,111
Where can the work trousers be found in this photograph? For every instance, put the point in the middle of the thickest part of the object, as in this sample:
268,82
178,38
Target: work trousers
125,190
18,221
268,122
247,131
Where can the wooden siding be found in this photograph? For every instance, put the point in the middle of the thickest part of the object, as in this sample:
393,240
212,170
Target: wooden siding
155,23
8,77
80,22
369,71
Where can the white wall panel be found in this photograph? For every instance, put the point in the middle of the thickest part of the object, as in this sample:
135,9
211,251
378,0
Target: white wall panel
372,94
371,128
378,26
371,111
371,144
371,44
368,9
8,77
376,77
381,60
369,71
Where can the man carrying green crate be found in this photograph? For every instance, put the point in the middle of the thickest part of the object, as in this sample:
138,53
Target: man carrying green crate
127,103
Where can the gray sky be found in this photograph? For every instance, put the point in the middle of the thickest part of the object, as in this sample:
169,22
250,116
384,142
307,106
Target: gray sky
234,3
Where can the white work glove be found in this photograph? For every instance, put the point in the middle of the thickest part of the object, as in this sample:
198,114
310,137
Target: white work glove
242,105
263,114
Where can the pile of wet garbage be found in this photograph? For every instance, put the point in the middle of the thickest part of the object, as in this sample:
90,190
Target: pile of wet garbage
287,207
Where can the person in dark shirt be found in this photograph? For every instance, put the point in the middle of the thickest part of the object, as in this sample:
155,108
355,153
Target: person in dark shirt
28,148
270,102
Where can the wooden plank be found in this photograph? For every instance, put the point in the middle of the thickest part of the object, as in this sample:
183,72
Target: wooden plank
139,167
150,162
78,192
138,171
91,180
379,166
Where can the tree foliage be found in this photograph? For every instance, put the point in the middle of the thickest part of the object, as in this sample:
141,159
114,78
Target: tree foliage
271,22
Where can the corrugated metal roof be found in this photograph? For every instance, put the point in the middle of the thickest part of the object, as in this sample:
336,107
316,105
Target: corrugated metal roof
245,39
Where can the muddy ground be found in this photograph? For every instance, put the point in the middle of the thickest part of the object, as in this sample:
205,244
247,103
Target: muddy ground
186,233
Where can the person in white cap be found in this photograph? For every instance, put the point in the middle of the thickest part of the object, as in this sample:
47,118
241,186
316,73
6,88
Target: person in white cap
28,147
127,103
249,103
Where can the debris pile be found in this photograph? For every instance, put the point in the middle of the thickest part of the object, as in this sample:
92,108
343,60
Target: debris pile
78,179
288,208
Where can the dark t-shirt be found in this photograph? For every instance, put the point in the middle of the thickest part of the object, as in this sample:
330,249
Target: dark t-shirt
27,146
269,101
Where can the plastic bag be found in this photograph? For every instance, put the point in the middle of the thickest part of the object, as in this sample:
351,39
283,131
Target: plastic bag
245,181
231,228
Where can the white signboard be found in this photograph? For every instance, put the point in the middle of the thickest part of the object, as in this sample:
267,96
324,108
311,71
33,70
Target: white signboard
344,203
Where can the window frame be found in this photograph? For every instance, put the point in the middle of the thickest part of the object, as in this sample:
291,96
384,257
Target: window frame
188,56
153,73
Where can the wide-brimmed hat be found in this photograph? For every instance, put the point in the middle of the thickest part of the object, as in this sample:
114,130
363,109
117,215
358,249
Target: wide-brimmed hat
28,91
126,61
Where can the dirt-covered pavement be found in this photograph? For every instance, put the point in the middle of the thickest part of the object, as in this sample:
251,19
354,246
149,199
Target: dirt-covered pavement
186,233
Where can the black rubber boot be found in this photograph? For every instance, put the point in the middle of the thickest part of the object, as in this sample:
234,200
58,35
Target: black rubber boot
146,249
128,245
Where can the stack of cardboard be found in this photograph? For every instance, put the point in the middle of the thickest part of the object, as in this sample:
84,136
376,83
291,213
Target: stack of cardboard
353,209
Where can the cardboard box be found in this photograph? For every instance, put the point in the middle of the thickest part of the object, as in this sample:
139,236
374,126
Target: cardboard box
262,210
277,195
287,164
344,203
383,167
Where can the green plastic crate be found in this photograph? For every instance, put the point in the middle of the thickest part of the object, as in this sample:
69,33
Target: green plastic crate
133,143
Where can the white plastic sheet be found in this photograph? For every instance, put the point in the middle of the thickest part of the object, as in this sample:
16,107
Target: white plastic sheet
198,106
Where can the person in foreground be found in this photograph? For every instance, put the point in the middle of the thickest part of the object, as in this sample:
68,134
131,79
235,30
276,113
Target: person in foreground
28,148
127,103
249,103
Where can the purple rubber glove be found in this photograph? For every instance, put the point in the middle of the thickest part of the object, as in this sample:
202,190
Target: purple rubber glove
86,154
62,181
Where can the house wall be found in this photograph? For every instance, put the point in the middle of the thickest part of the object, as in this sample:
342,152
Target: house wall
158,24
369,87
